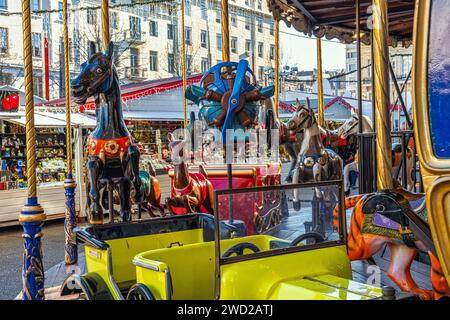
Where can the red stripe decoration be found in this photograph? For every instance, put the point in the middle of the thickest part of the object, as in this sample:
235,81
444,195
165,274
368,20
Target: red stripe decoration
146,92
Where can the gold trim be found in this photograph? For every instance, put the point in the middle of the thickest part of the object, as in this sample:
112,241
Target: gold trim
437,186
96,222
112,147
32,217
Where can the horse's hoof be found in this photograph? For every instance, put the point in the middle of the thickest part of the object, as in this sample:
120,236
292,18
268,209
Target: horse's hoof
347,193
297,205
288,180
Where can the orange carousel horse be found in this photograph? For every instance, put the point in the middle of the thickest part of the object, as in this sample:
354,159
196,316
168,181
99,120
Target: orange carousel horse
397,219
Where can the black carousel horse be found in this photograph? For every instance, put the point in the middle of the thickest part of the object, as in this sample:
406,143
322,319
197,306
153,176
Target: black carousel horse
113,159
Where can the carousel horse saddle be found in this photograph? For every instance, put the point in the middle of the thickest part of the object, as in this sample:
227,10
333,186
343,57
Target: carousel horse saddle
309,161
392,210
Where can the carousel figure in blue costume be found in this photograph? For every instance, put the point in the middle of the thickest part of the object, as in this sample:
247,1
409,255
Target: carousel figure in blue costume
229,98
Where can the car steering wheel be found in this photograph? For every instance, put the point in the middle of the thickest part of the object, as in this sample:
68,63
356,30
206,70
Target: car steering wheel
318,238
239,248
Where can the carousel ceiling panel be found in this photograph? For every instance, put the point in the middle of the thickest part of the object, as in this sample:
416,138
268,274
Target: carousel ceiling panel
337,18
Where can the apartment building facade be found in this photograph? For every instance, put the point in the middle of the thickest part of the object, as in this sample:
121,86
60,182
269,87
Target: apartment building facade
147,38
401,60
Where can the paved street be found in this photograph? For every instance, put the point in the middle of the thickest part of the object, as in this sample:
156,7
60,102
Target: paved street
11,255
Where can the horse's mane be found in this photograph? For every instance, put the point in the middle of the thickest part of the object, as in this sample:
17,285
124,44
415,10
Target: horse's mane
309,133
368,123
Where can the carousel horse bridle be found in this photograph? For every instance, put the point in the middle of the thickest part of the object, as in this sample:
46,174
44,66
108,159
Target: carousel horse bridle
104,69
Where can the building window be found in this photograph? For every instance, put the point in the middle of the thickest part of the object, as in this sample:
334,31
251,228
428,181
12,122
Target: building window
272,52
188,64
260,4
3,4
204,10
188,35
35,5
203,39
187,7
247,23
248,46
114,18
351,55
134,61
260,25
352,67
91,16
171,62
36,44
260,49
38,86
135,27
219,41
60,11
3,41
204,65
234,44
218,16
247,2
153,61
260,73
153,26
233,20
272,29
170,31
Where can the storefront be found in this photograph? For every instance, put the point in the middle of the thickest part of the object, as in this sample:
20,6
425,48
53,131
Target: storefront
51,155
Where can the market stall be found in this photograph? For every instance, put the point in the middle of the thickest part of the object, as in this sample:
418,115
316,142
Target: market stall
51,156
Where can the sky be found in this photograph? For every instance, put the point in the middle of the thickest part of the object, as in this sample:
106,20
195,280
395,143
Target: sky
300,50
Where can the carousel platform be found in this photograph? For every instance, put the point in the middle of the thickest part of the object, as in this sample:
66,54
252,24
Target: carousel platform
362,271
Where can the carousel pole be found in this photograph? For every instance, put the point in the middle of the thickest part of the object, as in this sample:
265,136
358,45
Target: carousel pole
183,65
70,222
320,102
105,41
105,24
361,164
381,75
226,57
277,67
225,32
32,216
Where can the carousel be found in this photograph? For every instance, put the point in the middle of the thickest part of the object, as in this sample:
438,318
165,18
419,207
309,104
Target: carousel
231,229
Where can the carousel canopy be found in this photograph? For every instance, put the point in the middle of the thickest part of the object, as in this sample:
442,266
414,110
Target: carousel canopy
337,18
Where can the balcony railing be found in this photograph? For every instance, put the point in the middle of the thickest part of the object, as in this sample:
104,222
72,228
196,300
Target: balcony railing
136,73
134,36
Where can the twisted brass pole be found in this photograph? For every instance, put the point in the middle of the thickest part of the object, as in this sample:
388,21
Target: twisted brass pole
225,32
381,75
105,24
183,63
32,216
320,102
70,222
277,67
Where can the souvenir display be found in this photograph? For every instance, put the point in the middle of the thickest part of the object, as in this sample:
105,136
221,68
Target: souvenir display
50,154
